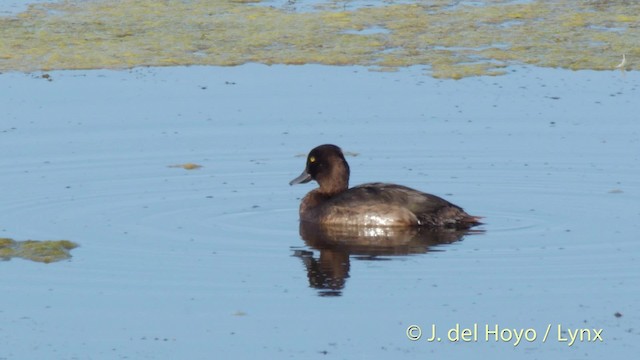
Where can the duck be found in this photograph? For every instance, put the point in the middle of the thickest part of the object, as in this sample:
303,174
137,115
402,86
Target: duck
374,204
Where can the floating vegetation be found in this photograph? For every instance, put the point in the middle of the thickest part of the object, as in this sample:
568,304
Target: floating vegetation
345,153
40,251
453,39
186,166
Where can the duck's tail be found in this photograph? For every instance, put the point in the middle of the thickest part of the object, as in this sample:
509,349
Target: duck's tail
470,221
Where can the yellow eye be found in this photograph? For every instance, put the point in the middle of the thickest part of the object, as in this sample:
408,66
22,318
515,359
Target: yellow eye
312,159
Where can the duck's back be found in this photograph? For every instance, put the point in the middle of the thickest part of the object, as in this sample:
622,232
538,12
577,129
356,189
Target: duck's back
381,204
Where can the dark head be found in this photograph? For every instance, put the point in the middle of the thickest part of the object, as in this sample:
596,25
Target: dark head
327,166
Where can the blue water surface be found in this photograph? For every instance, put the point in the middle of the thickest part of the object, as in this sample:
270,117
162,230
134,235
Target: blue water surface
209,263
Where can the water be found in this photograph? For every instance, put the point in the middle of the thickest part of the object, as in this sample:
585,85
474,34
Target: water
204,263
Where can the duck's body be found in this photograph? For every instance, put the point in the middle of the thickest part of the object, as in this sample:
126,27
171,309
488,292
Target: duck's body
372,204
380,204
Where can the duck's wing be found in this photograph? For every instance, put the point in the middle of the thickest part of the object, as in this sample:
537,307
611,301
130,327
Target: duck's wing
414,200
430,210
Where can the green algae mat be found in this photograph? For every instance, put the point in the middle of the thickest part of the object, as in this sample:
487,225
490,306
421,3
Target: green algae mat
40,251
453,40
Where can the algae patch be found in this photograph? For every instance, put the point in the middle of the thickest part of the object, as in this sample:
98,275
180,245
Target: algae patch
452,39
40,251
186,166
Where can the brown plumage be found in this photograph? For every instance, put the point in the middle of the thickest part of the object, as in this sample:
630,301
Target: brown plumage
372,204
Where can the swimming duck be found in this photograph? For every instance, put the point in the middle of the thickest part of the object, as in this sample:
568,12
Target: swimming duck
371,204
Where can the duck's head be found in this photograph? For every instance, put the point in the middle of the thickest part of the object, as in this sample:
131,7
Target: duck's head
327,166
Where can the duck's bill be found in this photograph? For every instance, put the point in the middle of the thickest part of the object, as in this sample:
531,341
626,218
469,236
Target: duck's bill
302,179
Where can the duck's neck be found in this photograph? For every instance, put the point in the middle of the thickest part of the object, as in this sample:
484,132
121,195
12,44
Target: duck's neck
337,180
334,187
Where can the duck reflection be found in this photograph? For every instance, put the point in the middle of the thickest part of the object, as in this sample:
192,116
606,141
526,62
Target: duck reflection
336,244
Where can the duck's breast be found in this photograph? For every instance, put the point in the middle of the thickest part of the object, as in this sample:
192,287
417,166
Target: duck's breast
365,205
